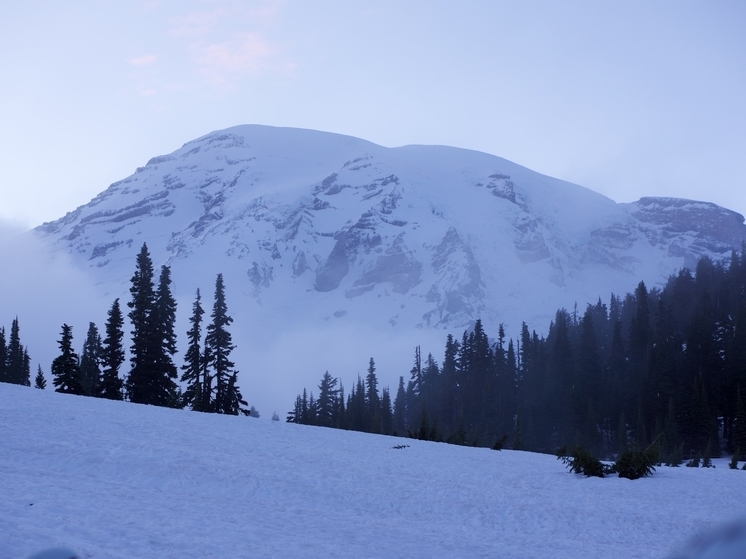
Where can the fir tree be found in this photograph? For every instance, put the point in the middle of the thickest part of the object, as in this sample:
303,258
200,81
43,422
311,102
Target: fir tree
228,397
40,382
90,362
66,367
164,370
26,374
400,409
3,357
14,367
326,404
192,367
153,339
139,382
112,355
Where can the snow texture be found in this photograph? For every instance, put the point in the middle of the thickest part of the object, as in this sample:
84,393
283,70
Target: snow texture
120,480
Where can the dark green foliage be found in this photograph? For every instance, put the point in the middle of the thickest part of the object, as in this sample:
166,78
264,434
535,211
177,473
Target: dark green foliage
677,457
694,462
400,409
193,368
40,382
580,461
15,364
218,348
66,367
500,443
153,314
659,363
733,465
90,362
707,456
112,355
634,463
3,357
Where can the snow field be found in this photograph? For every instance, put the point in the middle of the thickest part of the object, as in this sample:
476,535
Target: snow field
119,480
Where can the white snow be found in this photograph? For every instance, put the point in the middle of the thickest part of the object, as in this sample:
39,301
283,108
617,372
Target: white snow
119,480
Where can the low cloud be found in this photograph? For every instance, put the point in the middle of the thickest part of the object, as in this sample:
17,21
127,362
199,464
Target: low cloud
43,290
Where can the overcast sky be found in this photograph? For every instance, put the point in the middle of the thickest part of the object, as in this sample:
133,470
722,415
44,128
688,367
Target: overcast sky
630,98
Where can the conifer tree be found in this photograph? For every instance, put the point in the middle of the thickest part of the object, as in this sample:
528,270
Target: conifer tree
400,409
164,370
192,367
228,397
90,362
3,357
66,367
112,355
14,367
40,382
326,404
26,374
139,382
153,316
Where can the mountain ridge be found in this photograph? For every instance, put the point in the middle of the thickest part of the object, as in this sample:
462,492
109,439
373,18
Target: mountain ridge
321,232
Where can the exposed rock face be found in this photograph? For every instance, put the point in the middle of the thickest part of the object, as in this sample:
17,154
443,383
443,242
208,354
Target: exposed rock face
419,236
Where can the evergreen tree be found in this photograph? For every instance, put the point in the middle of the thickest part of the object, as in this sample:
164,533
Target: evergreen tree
14,367
228,397
372,401
400,410
192,367
112,355
66,367
153,316
90,362
327,402
140,383
387,418
3,357
40,382
26,374
164,370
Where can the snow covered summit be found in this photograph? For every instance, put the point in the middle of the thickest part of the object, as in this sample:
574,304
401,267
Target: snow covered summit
417,236
332,242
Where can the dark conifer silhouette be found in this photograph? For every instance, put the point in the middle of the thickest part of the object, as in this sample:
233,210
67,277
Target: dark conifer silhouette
66,367
90,362
219,345
112,355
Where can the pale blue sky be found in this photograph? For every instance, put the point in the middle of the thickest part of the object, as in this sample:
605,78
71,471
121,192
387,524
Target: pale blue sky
627,98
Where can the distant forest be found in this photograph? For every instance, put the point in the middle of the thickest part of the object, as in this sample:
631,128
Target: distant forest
655,366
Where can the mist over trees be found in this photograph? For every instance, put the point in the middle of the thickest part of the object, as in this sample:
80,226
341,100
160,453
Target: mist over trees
665,366
210,375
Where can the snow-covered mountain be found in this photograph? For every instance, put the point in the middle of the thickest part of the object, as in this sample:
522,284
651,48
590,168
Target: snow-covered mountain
331,234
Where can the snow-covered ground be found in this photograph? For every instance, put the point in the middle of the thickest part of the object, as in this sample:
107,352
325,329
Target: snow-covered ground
119,480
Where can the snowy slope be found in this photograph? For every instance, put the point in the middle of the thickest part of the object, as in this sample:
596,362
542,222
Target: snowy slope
120,480
333,245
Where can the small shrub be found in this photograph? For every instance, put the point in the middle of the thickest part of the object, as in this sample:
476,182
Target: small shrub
694,462
707,456
634,464
734,459
677,457
580,461
500,443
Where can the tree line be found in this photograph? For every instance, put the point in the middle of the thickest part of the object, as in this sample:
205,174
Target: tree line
664,366
209,374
